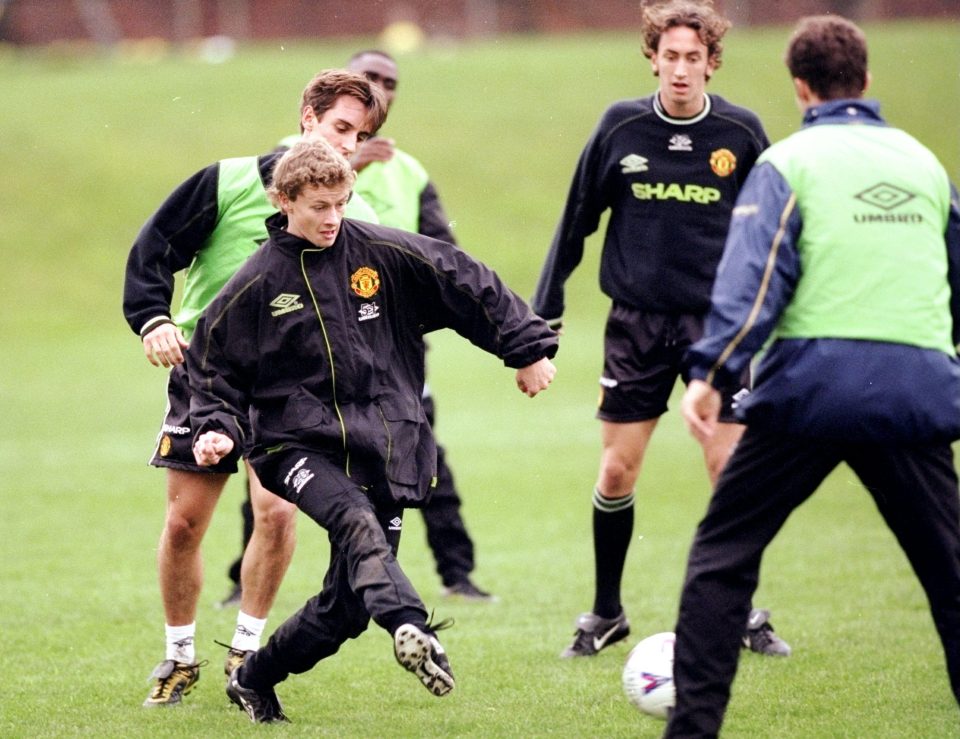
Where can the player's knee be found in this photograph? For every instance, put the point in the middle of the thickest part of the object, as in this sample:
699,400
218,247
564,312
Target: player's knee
276,518
616,479
358,529
182,532
715,462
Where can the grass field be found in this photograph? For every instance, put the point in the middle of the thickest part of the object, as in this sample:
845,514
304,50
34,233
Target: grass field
92,145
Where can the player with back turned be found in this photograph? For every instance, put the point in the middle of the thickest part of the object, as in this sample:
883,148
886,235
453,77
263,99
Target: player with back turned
844,250
668,167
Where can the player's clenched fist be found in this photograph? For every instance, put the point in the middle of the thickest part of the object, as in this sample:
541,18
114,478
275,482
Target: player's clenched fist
536,377
211,447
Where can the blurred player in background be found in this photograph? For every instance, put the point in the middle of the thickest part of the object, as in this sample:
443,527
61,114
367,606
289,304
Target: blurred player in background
668,167
845,247
332,382
399,189
209,226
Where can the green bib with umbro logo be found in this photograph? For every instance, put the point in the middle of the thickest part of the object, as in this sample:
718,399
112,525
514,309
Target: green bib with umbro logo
242,208
873,264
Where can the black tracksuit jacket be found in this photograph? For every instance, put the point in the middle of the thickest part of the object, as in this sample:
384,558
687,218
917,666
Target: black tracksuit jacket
324,347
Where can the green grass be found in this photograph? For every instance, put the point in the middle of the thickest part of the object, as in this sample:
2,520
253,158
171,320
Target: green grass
91,147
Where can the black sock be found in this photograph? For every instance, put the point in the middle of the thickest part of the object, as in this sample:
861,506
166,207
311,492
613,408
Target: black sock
612,531
402,616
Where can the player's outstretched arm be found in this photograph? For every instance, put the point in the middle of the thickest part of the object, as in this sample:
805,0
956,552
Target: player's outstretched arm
164,345
536,377
210,447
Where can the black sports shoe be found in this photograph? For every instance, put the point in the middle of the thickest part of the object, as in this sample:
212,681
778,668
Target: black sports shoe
261,707
759,636
466,590
420,653
172,681
595,633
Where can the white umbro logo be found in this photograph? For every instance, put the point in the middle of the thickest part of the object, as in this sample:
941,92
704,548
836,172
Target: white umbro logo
285,303
633,163
395,523
680,142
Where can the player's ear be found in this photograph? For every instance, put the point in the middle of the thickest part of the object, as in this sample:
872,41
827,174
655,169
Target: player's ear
653,66
308,118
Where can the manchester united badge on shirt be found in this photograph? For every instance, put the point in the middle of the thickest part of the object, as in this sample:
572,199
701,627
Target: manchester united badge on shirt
723,162
365,282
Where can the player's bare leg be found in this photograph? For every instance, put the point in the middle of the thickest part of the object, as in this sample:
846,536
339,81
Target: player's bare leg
624,445
191,500
265,561
718,448
270,550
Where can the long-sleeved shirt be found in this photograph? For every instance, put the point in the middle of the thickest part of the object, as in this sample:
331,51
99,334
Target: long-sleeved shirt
669,185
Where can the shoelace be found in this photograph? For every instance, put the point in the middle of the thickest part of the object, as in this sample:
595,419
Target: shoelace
165,685
226,646
433,628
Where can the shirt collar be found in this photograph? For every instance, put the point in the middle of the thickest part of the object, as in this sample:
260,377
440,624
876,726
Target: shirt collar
659,110
844,111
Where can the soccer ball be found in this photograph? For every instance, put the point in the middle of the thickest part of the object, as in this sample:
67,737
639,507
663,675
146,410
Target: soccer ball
648,675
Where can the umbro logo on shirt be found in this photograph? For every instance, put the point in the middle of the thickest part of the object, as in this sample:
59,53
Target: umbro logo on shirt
395,523
680,142
633,163
285,303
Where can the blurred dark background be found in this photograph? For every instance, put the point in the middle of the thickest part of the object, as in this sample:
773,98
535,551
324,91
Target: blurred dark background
106,22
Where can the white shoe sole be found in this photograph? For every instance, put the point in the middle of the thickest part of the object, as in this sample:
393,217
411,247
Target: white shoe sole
412,649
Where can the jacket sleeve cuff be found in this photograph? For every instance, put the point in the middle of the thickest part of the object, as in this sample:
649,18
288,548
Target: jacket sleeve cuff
153,323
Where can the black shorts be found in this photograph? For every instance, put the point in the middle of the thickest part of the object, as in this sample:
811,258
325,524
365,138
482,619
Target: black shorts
174,447
643,355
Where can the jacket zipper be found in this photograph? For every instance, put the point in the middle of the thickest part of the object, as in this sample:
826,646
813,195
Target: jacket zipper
386,427
326,341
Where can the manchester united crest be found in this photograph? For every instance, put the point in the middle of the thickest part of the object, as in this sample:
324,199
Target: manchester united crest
365,282
166,444
723,162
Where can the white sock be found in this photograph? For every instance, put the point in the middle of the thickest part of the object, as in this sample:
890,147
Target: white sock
180,643
247,636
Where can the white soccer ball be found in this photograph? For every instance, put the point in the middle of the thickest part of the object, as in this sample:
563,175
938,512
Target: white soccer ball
648,675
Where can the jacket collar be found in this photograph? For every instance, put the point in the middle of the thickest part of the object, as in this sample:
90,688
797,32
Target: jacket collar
844,111
290,244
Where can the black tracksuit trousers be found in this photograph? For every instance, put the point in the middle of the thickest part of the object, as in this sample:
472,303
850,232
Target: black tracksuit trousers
363,580
768,476
447,534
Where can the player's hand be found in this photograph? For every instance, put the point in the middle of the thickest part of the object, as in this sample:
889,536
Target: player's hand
376,149
536,377
700,408
210,447
164,345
